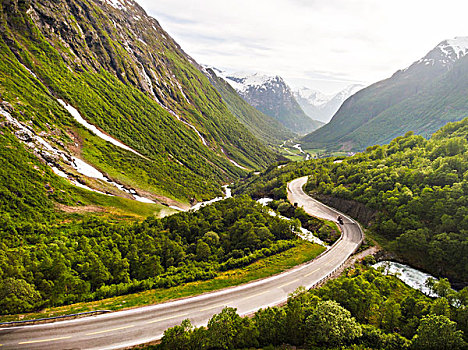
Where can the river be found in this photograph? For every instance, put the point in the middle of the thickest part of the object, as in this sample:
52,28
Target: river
412,277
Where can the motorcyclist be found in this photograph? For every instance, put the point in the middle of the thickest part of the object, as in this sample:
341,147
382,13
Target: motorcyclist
340,219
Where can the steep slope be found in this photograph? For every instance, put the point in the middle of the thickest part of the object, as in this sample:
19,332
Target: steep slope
323,107
264,127
423,97
413,193
122,76
273,97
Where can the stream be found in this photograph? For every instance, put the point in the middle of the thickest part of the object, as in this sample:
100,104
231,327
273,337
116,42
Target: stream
412,277
304,233
299,147
228,194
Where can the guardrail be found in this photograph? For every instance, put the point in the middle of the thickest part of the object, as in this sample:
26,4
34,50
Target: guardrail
327,276
13,323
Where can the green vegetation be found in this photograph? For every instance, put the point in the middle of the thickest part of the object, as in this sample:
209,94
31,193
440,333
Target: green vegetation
421,98
327,231
46,263
418,189
363,309
101,69
302,252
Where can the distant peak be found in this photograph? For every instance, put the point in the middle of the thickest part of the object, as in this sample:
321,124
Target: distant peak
317,98
458,45
446,53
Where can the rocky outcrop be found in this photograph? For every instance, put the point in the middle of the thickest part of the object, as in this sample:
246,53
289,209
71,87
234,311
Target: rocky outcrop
356,210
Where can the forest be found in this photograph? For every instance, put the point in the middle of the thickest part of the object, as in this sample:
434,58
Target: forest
418,189
362,309
63,262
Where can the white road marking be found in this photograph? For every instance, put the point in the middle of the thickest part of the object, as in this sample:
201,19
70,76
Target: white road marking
167,318
43,340
310,273
211,307
255,295
110,330
287,284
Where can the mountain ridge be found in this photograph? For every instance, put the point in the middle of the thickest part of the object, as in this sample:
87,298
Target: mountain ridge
263,126
322,107
127,77
271,96
422,97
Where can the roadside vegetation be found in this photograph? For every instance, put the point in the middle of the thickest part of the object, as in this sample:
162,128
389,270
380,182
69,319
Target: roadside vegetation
302,252
326,230
417,189
363,309
49,264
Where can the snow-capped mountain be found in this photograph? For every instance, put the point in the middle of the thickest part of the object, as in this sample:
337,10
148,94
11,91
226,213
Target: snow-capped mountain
322,107
272,96
446,53
422,98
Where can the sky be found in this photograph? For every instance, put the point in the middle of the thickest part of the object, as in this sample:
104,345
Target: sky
321,44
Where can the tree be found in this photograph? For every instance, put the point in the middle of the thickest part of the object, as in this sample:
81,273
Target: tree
440,306
331,325
177,337
227,330
203,250
391,314
17,295
437,332
270,323
211,238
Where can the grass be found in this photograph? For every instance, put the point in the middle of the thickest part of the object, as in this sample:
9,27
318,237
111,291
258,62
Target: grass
295,155
303,252
118,207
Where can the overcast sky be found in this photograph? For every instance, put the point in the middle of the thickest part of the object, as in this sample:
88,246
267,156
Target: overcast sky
322,44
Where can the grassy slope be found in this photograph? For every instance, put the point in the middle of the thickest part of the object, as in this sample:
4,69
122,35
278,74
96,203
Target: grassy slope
114,101
35,191
407,101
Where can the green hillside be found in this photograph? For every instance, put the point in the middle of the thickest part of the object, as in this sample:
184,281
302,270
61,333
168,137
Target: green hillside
412,194
422,98
117,72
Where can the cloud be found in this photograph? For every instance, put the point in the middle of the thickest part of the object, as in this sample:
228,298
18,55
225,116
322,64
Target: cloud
350,40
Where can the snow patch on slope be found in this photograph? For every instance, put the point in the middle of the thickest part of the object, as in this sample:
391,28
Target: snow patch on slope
314,97
458,45
75,114
242,81
52,155
118,4
445,53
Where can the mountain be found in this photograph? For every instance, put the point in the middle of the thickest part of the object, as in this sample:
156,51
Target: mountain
99,91
422,97
262,126
273,97
322,107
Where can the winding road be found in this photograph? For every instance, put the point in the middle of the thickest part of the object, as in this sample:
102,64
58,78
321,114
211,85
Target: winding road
122,329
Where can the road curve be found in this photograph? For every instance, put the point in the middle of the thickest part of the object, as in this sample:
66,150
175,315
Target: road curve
130,327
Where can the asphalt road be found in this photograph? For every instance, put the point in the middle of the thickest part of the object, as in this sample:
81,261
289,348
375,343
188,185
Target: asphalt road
126,328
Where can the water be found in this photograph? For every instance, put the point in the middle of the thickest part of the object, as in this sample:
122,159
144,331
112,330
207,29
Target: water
228,194
412,277
304,233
